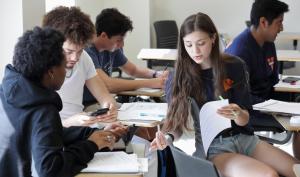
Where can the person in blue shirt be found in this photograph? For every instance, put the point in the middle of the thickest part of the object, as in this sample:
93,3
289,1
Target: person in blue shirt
107,53
203,73
255,45
31,127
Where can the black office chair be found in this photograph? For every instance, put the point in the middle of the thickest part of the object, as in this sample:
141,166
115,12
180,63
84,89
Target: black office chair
166,38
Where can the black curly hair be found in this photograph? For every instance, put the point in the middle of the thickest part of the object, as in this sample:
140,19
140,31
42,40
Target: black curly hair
270,9
37,51
75,25
112,22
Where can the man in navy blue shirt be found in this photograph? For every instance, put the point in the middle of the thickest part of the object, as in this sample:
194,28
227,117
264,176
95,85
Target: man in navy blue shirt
255,45
107,53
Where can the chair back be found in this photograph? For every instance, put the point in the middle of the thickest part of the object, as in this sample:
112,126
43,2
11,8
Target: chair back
166,37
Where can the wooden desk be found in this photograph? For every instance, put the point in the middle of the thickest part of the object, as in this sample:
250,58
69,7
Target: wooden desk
287,87
285,122
157,54
296,169
287,55
143,92
109,175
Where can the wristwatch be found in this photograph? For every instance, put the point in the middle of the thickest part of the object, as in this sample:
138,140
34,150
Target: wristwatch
154,74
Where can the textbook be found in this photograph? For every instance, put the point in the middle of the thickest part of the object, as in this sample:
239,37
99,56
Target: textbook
143,111
114,162
280,107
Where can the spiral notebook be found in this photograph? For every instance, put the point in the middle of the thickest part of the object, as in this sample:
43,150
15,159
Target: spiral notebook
113,162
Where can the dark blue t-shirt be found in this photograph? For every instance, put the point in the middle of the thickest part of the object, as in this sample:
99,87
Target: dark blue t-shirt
261,63
106,60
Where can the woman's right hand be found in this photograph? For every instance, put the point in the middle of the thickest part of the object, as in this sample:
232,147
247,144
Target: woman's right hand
103,139
159,142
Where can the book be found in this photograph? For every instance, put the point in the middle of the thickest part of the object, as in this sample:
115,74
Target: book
113,162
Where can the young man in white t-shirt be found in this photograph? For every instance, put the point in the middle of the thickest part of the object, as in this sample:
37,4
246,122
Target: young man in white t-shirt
78,31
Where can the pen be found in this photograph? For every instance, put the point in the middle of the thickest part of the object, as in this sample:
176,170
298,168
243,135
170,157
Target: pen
158,128
166,67
234,113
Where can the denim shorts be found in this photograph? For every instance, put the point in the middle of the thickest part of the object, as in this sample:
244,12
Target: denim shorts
240,143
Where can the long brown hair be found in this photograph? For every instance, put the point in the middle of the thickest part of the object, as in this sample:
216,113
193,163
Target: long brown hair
187,81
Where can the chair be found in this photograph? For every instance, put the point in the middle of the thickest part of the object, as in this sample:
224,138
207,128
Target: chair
166,37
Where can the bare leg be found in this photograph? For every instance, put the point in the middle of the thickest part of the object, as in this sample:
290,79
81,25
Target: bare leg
277,159
296,145
238,165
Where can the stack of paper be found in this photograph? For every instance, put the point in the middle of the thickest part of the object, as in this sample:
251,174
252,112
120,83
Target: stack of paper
113,162
275,106
143,111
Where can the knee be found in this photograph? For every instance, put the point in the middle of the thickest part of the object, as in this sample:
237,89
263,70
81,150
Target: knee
270,173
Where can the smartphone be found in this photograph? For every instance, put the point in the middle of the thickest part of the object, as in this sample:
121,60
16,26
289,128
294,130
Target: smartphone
290,79
99,112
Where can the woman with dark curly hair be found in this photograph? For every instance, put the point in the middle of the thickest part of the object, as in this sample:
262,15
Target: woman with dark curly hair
30,120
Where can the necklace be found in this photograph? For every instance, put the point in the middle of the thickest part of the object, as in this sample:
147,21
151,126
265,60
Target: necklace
69,73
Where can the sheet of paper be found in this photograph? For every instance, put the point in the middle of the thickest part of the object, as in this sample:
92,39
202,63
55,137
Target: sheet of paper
276,106
143,111
166,54
211,123
113,162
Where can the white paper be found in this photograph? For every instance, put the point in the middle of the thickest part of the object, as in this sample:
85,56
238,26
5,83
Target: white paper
165,54
275,106
212,123
113,162
143,111
281,84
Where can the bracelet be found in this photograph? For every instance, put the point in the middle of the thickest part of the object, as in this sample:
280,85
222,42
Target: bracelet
154,74
171,136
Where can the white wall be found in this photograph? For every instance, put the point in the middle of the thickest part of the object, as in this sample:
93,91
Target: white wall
228,15
11,29
140,36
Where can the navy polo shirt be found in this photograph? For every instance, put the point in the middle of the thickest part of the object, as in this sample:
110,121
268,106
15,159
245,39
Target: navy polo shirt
261,62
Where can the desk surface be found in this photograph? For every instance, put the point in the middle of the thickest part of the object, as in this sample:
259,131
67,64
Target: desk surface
288,55
139,92
157,54
296,169
287,87
109,175
285,122
288,36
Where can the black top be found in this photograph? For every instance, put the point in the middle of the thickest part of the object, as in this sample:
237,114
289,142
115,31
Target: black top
238,93
32,119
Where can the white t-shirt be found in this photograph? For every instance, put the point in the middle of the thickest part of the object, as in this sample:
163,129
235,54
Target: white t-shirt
71,91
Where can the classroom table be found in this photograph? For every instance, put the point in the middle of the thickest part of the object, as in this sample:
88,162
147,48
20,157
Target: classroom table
109,175
296,169
157,54
294,36
143,92
287,87
287,55
285,122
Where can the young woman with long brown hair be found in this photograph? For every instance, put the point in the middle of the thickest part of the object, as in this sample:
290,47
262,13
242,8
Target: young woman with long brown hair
203,73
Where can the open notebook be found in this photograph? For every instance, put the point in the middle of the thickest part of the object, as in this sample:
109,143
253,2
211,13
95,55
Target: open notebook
114,162
143,111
